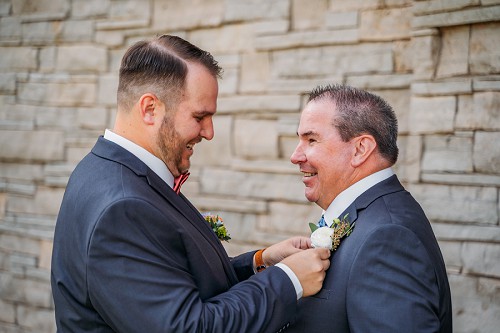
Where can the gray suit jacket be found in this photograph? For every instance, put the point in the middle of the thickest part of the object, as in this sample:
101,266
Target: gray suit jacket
387,276
130,255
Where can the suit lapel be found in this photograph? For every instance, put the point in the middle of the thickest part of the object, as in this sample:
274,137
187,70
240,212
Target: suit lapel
193,216
109,150
387,186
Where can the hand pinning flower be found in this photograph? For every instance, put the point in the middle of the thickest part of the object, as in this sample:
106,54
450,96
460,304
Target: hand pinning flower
217,225
330,237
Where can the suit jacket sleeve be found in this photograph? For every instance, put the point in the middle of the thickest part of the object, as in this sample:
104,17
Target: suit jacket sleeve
384,292
139,280
243,265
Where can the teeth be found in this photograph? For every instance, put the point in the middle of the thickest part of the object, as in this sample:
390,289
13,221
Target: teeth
309,174
190,146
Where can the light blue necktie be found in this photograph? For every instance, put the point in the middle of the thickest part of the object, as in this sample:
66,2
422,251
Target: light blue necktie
321,222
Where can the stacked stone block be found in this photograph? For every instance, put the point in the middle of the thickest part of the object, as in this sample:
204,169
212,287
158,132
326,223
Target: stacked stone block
436,61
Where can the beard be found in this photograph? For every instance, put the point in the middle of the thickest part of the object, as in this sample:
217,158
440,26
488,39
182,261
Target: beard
171,147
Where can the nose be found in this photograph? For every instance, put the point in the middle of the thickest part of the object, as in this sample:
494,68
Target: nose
207,129
298,155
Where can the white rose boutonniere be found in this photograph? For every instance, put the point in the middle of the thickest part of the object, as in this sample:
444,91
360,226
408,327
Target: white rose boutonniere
330,237
217,225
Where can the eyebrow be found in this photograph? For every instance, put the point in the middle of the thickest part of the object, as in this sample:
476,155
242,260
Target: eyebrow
307,134
203,113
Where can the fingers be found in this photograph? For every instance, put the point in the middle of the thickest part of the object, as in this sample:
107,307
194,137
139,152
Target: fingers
306,243
302,243
323,253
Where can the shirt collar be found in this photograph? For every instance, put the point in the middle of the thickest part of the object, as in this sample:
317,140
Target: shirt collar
153,162
347,197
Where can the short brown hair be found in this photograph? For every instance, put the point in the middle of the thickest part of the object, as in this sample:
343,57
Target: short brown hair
159,66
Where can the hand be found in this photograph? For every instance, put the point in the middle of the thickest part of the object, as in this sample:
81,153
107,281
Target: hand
279,251
309,266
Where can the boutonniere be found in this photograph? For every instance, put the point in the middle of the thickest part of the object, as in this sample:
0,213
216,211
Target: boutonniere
217,225
330,237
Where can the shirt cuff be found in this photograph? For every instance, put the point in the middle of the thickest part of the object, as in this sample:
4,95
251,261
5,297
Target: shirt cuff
295,280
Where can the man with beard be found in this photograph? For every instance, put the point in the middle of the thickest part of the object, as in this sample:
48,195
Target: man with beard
131,254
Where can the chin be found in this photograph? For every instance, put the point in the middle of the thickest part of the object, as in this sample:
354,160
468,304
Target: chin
184,167
310,198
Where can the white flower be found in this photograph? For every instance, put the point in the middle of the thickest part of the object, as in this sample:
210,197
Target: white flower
322,237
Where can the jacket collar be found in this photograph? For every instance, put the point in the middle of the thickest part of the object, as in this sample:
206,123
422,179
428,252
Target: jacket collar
111,151
387,186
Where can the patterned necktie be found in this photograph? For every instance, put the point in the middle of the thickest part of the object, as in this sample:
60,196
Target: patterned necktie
321,222
178,181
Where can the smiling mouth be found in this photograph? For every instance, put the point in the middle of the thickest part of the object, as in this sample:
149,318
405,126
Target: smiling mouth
309,174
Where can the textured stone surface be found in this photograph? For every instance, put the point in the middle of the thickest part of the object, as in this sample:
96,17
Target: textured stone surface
166,14
484,53
39,319
264,103
333,60
255,71
76,58
225,39
455,52
236,10
90,8
487,152
464,204
255,138
448,154
18,58
32,145
286,217
24,7
62,94
434,114
489,257
307,38
461,86
307,16
385,24
255,185
466,16
45,200
436,6
479,111
435,61
342,20
426,46
474,308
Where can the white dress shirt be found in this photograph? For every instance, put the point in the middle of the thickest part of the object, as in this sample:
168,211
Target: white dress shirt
347,197
153,162
157,165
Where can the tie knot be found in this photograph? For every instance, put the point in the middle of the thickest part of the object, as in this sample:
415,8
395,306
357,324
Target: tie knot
178,181
321,222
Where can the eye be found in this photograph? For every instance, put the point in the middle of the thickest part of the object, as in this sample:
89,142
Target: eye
311,140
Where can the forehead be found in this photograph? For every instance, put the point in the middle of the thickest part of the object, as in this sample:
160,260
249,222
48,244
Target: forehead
317,115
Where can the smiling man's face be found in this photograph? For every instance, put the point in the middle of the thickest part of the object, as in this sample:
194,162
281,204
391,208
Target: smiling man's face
191,122
324,159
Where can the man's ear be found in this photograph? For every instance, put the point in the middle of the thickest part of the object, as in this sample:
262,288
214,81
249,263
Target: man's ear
148,106
364,146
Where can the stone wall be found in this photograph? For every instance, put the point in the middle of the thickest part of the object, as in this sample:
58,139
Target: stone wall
437,62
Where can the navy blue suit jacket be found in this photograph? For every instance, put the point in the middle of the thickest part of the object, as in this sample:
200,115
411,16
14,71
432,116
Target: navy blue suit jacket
387,276
130,255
